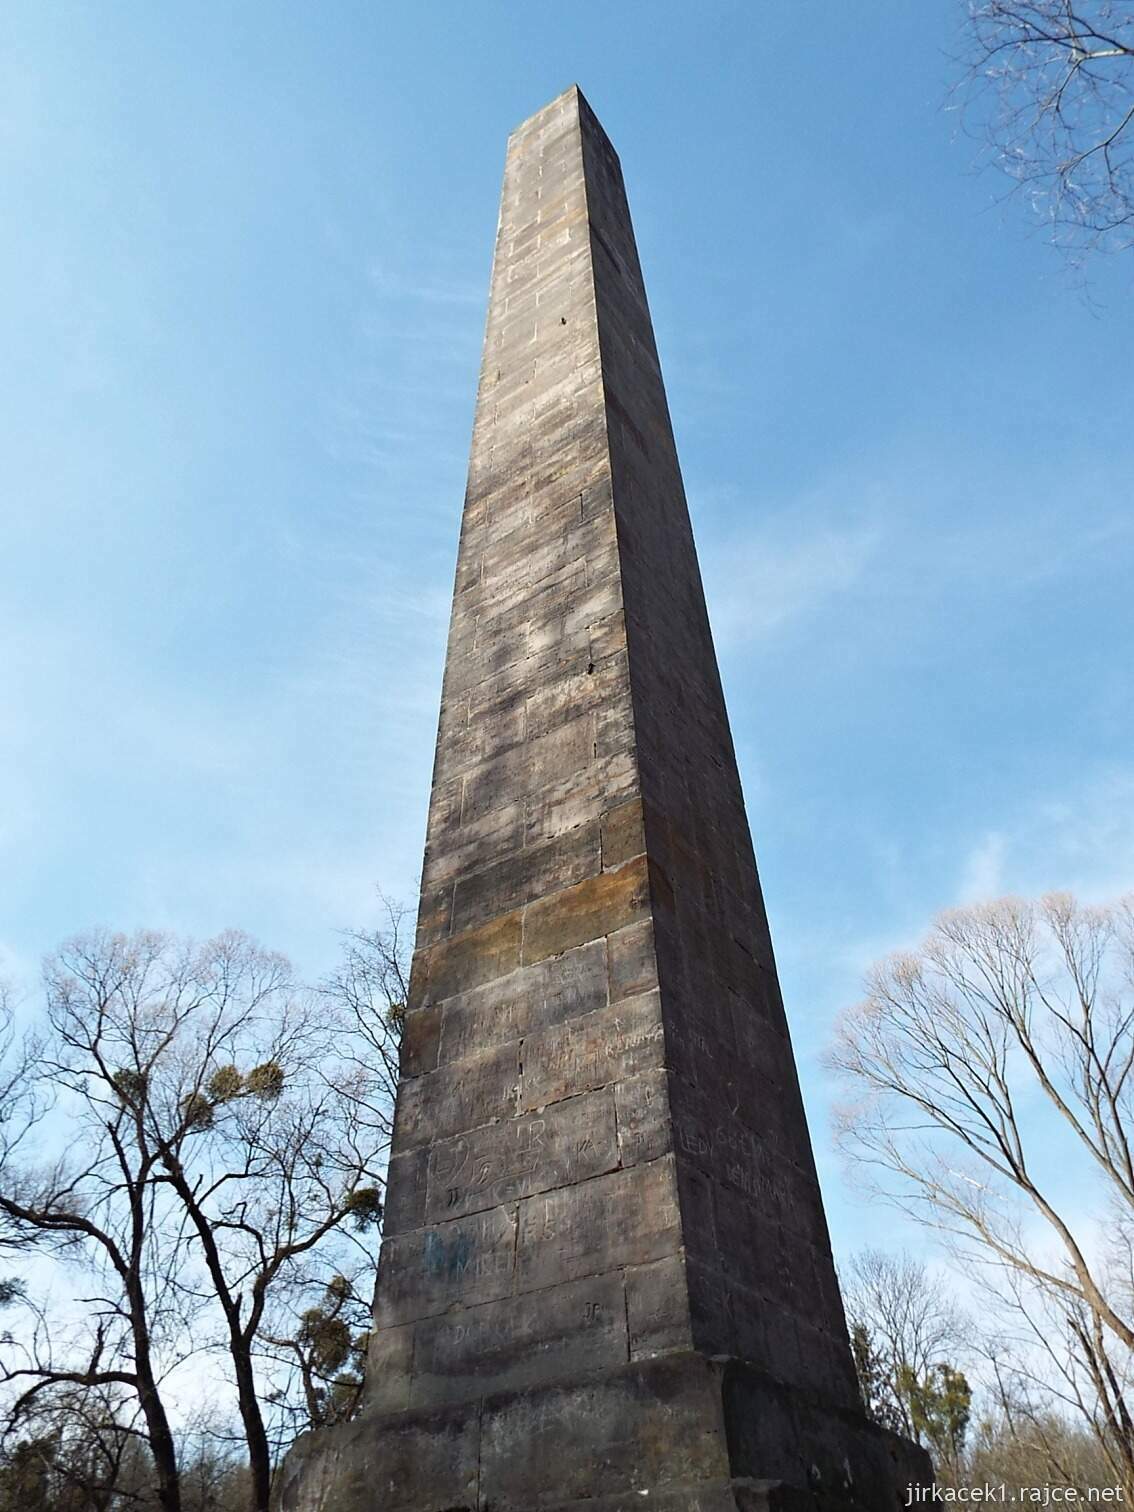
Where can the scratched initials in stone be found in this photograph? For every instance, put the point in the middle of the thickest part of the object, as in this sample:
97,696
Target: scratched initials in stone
530,1139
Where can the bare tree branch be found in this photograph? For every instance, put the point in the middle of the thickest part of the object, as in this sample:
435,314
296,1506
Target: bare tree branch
1010,1027
1051,91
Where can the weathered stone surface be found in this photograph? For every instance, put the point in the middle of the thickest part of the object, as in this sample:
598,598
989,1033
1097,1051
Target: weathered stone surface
421,1036
389,1368
416,1463
632,961
601,1048
694,1497
640,1429
605,1280
623,833
676,1432
645,1129
466,1261
589,911
534,997
405,1191
461,1095
479,955
564,1332
521,770
456,845
657,1313
624,1218
503,1162
535,872
563,805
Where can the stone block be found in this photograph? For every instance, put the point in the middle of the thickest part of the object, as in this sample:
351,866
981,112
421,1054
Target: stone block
533,997
701,1050
623,833
599,906
504,1162
421,1036
465,1261
698,1215
488,736
581,799
611,1044
657,1308
549,707
754,1254
632,962
405,1191
565,1332
519,603
526,874
457,1097
624,1218
710,1132
697,1496
764,1332
640,1430
454,847
466,960
389,1368
407,1462
712,1321
527,768
823,1365
435,914
607,636
645,1129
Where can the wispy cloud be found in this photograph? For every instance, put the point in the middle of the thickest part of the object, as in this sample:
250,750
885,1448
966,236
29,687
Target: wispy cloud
982,873
901,542
435,289
779,574
1080,841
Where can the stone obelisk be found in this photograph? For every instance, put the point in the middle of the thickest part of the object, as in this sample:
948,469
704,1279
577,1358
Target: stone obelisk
605,1279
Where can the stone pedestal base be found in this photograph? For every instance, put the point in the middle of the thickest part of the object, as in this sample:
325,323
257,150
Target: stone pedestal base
676,1434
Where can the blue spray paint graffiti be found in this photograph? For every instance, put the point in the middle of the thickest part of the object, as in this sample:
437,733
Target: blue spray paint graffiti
447,1258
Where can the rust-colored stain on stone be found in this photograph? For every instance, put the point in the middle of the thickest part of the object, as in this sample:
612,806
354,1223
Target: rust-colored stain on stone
479,955
590,910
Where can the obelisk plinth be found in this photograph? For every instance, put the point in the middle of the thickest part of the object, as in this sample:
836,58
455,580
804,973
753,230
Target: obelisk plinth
605,1278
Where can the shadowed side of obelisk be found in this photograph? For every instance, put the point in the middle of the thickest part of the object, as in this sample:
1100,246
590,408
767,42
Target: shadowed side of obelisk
760,1273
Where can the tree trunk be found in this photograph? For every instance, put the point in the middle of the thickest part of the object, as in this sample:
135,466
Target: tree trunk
259,1453
158,1432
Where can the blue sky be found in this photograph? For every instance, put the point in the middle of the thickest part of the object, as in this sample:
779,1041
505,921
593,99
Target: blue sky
244,274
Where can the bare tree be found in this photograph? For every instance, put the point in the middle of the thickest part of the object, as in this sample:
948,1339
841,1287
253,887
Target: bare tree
1023,1443
82,1446
79,1452
323,1351
370,987
87,1204
1011,1026
910,1323
326,1350
219,1145
21,1110
1053,90
1049,1365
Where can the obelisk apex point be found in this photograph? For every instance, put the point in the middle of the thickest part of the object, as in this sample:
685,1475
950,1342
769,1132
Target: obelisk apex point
572,97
